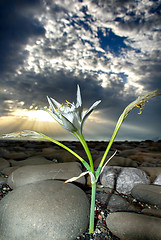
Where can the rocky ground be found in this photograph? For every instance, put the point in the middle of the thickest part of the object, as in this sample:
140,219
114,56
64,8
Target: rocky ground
128,197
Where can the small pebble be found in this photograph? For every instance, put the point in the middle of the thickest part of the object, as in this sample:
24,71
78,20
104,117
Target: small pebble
4,189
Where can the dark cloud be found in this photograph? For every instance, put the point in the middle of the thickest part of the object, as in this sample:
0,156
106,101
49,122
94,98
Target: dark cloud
152,79
140,18
16,28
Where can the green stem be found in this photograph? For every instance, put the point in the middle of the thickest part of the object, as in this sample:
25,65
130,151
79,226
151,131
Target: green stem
68,149
118,125
85,146
93,194
92,210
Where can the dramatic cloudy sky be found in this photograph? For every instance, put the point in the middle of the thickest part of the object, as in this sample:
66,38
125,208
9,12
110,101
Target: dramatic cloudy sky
111,48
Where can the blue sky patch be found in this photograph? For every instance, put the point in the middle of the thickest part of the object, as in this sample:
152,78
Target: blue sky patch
110,41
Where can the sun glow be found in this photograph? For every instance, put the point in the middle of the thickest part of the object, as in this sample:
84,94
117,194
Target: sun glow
38,115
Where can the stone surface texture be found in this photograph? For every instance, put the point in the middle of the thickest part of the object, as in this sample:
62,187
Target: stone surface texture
36,160
133,226
48,210
3,180
118,161
153,172
9,170
3,163
152,212
148,193
123,179
34,173
113,202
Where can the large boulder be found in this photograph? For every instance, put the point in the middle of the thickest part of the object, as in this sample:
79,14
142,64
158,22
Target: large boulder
34,173
45,210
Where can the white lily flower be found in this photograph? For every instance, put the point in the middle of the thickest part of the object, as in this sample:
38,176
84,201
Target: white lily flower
70,115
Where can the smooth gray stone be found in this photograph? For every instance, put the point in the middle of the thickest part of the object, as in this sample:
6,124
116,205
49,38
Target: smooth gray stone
34,173
123,179
15,155
3,163
117,161
129,152
9,170
148,193
153,172
48,210
113,202
133,226
36,160
3,180
61,155
147,158
152,212
122,162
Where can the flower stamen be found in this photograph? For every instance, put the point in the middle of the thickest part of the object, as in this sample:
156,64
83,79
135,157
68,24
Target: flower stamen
61,105
141,106
140,112
67,103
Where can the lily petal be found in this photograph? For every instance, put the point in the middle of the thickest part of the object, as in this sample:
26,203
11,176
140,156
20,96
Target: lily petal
57,104
55,116
24,133
52,106
79,105
89,112
79,99
69,116
68,125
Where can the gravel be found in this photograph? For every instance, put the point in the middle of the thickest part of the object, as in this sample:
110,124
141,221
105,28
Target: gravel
101,230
